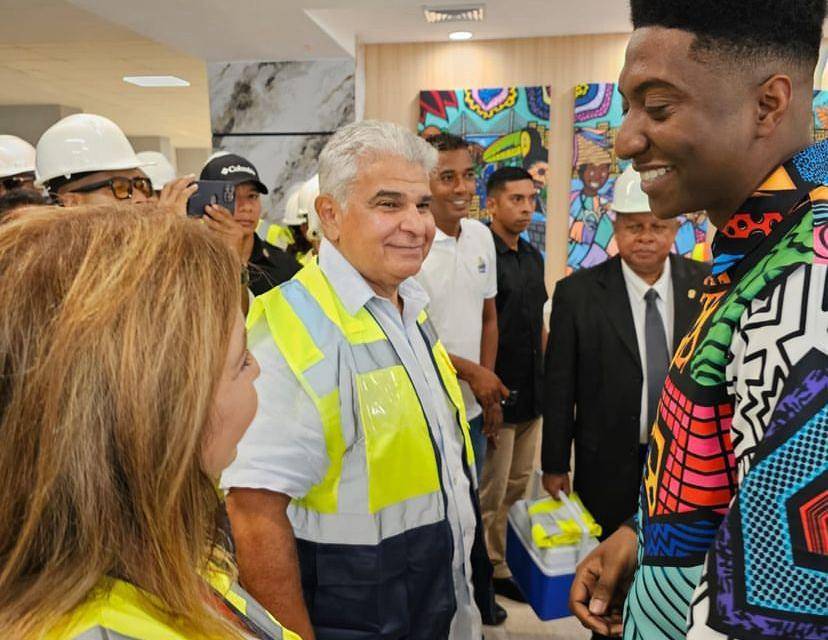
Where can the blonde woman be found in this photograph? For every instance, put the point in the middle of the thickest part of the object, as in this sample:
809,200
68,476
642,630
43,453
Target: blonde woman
125,385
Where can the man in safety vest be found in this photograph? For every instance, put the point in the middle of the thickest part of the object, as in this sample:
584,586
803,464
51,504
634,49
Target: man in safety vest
351,502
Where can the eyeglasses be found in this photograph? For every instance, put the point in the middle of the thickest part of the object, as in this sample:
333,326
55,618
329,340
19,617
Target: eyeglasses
16,182
121,187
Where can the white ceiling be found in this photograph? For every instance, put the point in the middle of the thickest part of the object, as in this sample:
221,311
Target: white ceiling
51,52
372,21
222,30
75,52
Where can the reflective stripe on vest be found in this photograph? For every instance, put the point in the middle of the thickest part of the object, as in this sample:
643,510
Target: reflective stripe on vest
99,633
364,395
249,610
118,610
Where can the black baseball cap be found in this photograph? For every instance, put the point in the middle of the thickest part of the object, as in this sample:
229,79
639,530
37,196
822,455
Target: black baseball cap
232,168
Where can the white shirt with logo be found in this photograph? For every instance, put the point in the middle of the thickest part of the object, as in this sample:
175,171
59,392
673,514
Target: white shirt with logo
459,274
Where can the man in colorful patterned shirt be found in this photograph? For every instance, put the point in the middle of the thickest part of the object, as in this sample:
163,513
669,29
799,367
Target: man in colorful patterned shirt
732,535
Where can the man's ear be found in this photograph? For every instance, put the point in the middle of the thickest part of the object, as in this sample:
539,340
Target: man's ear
491,205
330,216
774,97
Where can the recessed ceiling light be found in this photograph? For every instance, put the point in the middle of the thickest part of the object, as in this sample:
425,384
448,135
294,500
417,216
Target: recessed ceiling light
156,81
460,35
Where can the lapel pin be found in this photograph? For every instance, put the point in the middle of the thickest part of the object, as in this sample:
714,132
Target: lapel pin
691,293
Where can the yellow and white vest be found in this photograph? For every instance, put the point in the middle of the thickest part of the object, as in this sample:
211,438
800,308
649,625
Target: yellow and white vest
374,543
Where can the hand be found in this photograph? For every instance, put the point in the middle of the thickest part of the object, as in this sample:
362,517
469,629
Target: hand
554,483
486,386
175,194
221,222
492,423
601,583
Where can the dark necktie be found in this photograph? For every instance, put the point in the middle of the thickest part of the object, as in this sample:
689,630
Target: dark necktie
658,357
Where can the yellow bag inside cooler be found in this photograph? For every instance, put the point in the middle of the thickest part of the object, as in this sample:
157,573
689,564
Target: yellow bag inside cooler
560,522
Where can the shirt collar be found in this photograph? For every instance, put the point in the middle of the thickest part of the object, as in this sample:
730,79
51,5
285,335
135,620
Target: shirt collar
501,247
257,253
355,292
439,236
638,287
788,185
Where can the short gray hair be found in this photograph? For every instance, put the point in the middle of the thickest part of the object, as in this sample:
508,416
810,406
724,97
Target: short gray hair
339,160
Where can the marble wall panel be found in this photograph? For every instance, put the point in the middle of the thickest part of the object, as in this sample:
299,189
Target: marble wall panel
279,115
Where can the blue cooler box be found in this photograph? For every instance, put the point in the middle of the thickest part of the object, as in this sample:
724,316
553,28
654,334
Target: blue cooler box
543,575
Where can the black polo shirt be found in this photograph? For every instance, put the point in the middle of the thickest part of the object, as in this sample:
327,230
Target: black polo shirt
269,266
521,294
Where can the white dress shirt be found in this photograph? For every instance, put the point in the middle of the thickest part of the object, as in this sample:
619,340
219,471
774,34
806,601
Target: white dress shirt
459,274
284,448
636,290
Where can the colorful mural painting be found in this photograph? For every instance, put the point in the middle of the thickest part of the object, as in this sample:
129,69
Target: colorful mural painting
820,116
594,170
506,126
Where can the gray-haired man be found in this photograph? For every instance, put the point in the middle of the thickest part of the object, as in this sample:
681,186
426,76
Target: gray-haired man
357,464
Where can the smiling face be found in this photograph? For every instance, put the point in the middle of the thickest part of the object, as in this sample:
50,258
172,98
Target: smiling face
452,187
594,176
689,125
386,228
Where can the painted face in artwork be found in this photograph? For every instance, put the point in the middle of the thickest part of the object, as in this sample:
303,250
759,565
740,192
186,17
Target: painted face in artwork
539,170
594,177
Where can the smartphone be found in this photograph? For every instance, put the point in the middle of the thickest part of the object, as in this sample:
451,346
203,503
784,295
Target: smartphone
511,401
211,192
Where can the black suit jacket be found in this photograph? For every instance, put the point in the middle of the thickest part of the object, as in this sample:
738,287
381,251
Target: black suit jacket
593,382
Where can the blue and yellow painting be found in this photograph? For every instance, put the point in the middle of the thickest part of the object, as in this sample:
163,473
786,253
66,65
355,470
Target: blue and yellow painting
820,115
505,126
595,167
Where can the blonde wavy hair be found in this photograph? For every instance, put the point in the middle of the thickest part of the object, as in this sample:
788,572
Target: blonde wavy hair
114,328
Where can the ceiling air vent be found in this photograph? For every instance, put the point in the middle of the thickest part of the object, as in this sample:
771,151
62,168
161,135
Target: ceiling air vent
455,13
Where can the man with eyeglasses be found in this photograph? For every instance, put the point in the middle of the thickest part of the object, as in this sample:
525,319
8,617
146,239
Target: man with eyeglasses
87,159
17,164
612,332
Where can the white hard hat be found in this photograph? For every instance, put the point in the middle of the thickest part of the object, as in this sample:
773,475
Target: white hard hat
628,196
158,169
80,143
292,215
16,156
307,197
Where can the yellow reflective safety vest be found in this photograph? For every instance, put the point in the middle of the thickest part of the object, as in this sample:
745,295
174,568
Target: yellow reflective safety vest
305,258
374,543
275,234
117,610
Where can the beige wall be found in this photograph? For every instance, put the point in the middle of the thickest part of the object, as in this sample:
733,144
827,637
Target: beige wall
395,74
29,121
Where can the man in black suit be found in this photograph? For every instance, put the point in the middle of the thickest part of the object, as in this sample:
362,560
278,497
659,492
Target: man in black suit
612,332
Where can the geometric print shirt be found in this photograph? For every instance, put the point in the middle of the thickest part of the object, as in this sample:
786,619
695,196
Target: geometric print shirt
733,511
